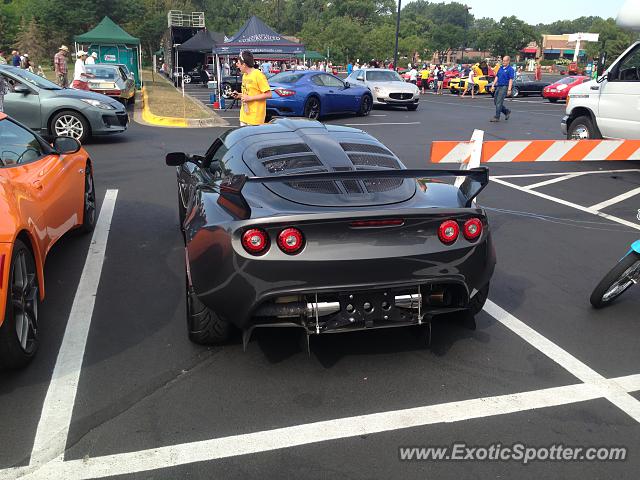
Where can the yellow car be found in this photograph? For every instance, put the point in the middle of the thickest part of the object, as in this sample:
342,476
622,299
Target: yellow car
480,84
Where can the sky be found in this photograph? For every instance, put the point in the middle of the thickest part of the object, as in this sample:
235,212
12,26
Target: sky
541,11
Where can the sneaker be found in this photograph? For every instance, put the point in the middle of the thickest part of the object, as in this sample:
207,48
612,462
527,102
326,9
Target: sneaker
494,119
507,115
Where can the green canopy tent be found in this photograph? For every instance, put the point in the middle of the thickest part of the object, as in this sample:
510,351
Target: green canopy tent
113,45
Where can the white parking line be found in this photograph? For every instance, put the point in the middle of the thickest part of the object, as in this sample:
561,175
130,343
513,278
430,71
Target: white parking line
612,201
589,172
553,180
372,124
53,428
613,218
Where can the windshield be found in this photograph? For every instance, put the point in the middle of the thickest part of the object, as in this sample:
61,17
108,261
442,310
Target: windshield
106,73
389,76
34,79
286,77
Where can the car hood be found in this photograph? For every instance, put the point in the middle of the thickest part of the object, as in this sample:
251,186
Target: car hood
395,86
583,88
82,94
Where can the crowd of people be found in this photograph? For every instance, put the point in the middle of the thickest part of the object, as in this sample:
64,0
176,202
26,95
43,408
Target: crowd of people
20,60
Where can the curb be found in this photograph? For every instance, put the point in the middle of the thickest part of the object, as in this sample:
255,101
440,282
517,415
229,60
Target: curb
153,119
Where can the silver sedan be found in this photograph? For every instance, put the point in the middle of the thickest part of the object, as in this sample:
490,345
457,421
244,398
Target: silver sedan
387,87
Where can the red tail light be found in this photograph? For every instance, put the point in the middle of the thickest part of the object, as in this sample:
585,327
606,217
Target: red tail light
255,241
291,241
472,228
389,222
283,92
448,232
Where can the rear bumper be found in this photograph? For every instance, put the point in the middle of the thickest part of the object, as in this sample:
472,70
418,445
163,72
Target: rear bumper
564,124
284,106
236,285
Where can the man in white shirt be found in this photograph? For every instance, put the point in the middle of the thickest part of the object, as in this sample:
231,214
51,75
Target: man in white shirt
413,76
80,74
470,81
91,59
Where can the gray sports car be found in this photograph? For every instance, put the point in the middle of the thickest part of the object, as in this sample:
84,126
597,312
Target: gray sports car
51,110
321,227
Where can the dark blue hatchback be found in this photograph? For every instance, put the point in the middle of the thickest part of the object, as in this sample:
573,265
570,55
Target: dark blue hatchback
315,94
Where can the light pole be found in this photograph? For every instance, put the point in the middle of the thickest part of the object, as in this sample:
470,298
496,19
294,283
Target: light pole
466,30
395,53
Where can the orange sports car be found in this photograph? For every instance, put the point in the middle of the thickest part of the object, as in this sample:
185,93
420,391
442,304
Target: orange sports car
45,191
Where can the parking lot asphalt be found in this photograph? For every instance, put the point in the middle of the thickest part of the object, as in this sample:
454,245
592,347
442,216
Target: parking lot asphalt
538,366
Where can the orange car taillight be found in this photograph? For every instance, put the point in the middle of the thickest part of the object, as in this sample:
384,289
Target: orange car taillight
255,241
472,229
291,241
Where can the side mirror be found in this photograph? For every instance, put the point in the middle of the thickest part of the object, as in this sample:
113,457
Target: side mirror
360,79
66,145
347,85
19,88
175,159
602,59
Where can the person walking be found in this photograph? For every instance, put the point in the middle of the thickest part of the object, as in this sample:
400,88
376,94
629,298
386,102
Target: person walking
470,83
255,92
80,74
15,60
349,68
4,89
3,61
413,76
538,74
440,79
501,88
60,66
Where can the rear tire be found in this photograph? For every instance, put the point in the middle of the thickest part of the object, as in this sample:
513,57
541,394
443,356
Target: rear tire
204,326
312,108
615,275
19,340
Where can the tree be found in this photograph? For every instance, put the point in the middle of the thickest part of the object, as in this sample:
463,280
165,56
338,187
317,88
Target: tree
510,36
31,41
613,40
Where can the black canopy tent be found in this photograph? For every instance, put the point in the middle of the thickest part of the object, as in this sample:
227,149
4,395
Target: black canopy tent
204,42
256,37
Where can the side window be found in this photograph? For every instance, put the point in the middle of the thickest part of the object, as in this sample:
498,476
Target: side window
359,75
629,69
17,145
330,81
317,80
122,74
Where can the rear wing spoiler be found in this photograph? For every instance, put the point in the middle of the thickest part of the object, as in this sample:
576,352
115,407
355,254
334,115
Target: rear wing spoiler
231,186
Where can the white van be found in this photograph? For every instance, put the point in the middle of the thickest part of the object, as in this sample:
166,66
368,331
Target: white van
609,107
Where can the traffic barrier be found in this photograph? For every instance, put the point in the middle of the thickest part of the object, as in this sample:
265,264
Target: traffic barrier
534,150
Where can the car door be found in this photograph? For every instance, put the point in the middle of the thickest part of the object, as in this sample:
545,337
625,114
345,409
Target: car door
23,105
342,98
44,179
619,98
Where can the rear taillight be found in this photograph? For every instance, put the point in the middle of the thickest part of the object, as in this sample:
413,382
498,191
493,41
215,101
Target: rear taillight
255,241
448,231
283,92
291,241
472,229
388,222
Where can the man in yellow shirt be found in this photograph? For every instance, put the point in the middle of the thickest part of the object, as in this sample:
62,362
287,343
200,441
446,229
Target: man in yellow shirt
424,77
255,91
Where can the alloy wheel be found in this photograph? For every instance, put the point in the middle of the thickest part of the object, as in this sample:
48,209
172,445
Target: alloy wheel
89,197
69,126
24,302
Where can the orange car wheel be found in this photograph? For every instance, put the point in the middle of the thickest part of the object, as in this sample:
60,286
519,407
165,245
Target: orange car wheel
89,208
19,331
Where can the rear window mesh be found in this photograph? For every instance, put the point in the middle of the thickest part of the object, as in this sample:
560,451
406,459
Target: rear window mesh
368,160
292,163
365,147
283,150
377,185
328,187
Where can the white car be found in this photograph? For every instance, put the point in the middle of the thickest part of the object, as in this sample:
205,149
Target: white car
609,107
387,87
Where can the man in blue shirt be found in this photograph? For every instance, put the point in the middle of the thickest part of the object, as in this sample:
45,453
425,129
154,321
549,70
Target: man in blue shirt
349,68
501,88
